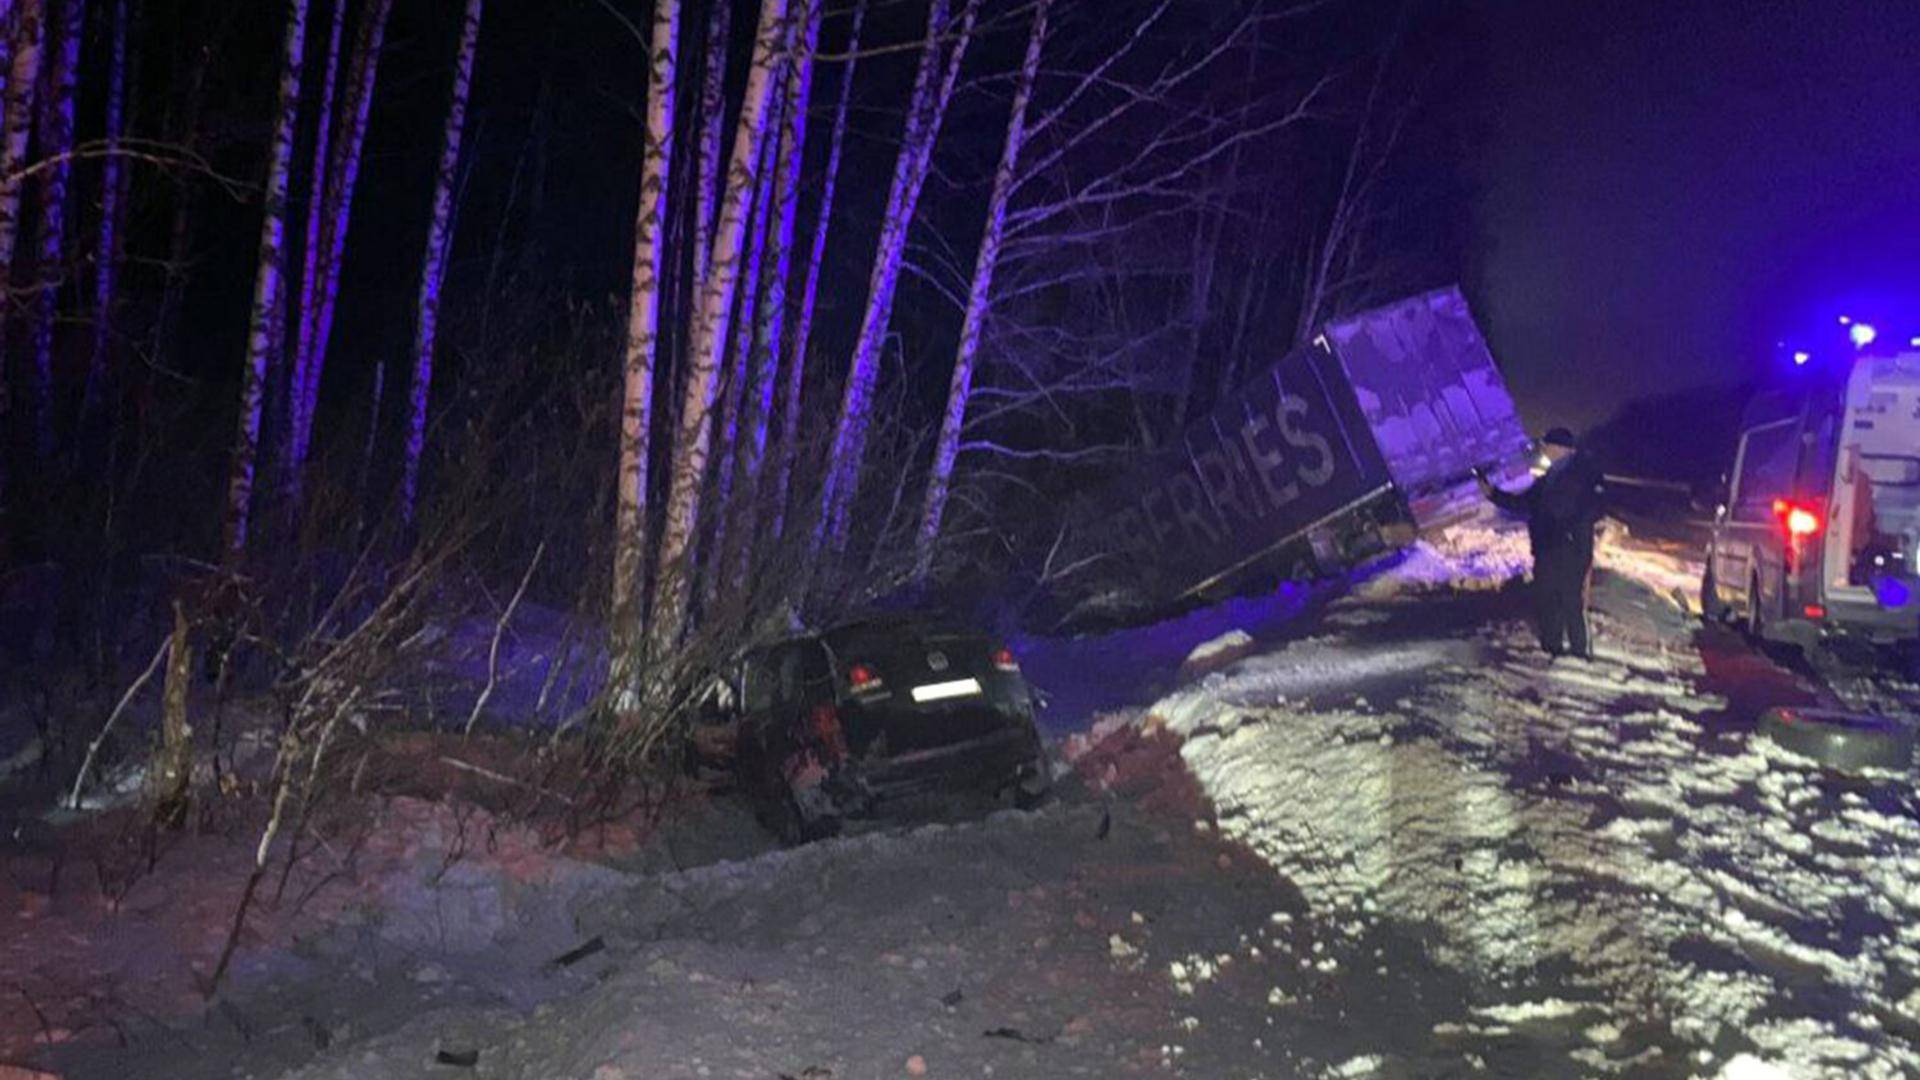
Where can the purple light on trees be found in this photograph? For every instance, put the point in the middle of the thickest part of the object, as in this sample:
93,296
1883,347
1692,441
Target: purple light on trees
433,269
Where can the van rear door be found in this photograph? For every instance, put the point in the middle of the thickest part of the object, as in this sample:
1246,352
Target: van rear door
1876,514
1763,470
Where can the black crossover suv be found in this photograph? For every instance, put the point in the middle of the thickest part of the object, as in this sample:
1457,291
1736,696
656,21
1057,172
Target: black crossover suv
829,726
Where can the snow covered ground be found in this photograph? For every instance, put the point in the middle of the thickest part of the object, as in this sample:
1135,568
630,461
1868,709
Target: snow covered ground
1302,837
1595,840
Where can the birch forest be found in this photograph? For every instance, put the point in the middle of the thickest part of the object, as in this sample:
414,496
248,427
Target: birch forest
338,333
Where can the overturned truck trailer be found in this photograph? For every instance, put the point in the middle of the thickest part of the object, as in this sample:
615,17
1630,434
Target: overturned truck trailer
1342,449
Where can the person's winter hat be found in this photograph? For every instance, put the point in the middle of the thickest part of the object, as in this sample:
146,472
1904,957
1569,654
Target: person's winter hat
1558,437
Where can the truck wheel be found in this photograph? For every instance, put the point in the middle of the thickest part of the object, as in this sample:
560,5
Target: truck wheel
1841,740
1711,609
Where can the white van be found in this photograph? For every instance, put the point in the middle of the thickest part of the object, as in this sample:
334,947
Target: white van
1819,534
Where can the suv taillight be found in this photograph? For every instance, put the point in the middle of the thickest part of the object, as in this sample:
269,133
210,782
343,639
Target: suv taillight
1005,661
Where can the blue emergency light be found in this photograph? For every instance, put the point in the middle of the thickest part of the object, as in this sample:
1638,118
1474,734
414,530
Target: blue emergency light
1893,592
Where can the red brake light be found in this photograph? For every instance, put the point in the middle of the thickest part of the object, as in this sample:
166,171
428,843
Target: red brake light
1816,611
1004,660
1799,521
861,677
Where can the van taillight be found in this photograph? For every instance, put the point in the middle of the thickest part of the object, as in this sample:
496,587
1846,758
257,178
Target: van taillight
1798,521
1005,661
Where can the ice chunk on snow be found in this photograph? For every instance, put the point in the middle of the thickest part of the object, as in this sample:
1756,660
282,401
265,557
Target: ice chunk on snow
1529,1011
1213,649
1748,1067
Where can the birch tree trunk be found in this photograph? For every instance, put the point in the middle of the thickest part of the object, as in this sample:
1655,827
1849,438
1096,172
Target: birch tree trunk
979,299
56,149
796,359
772,313
173,765
713,119
738,362
23,78
106,259
267,292
310,258
6,45
343,174
16,125
433,272
930,95
691,442
642,349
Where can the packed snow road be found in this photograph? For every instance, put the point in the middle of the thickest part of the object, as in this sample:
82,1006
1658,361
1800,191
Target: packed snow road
1601,845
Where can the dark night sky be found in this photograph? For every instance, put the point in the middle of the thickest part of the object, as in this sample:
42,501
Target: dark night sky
1658,189
1668,187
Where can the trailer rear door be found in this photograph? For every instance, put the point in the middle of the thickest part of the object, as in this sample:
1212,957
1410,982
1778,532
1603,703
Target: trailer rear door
1428,388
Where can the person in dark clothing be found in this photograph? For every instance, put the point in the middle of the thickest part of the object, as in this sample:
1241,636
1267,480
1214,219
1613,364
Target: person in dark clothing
1561,508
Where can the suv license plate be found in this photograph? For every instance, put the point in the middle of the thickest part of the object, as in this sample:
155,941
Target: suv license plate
941,691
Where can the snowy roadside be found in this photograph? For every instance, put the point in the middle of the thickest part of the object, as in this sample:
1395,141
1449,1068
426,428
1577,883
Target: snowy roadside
1583,841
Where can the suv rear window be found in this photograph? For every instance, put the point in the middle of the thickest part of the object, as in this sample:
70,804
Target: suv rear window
879,640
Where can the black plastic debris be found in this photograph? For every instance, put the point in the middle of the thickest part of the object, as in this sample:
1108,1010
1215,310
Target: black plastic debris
581,952
1016,1035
